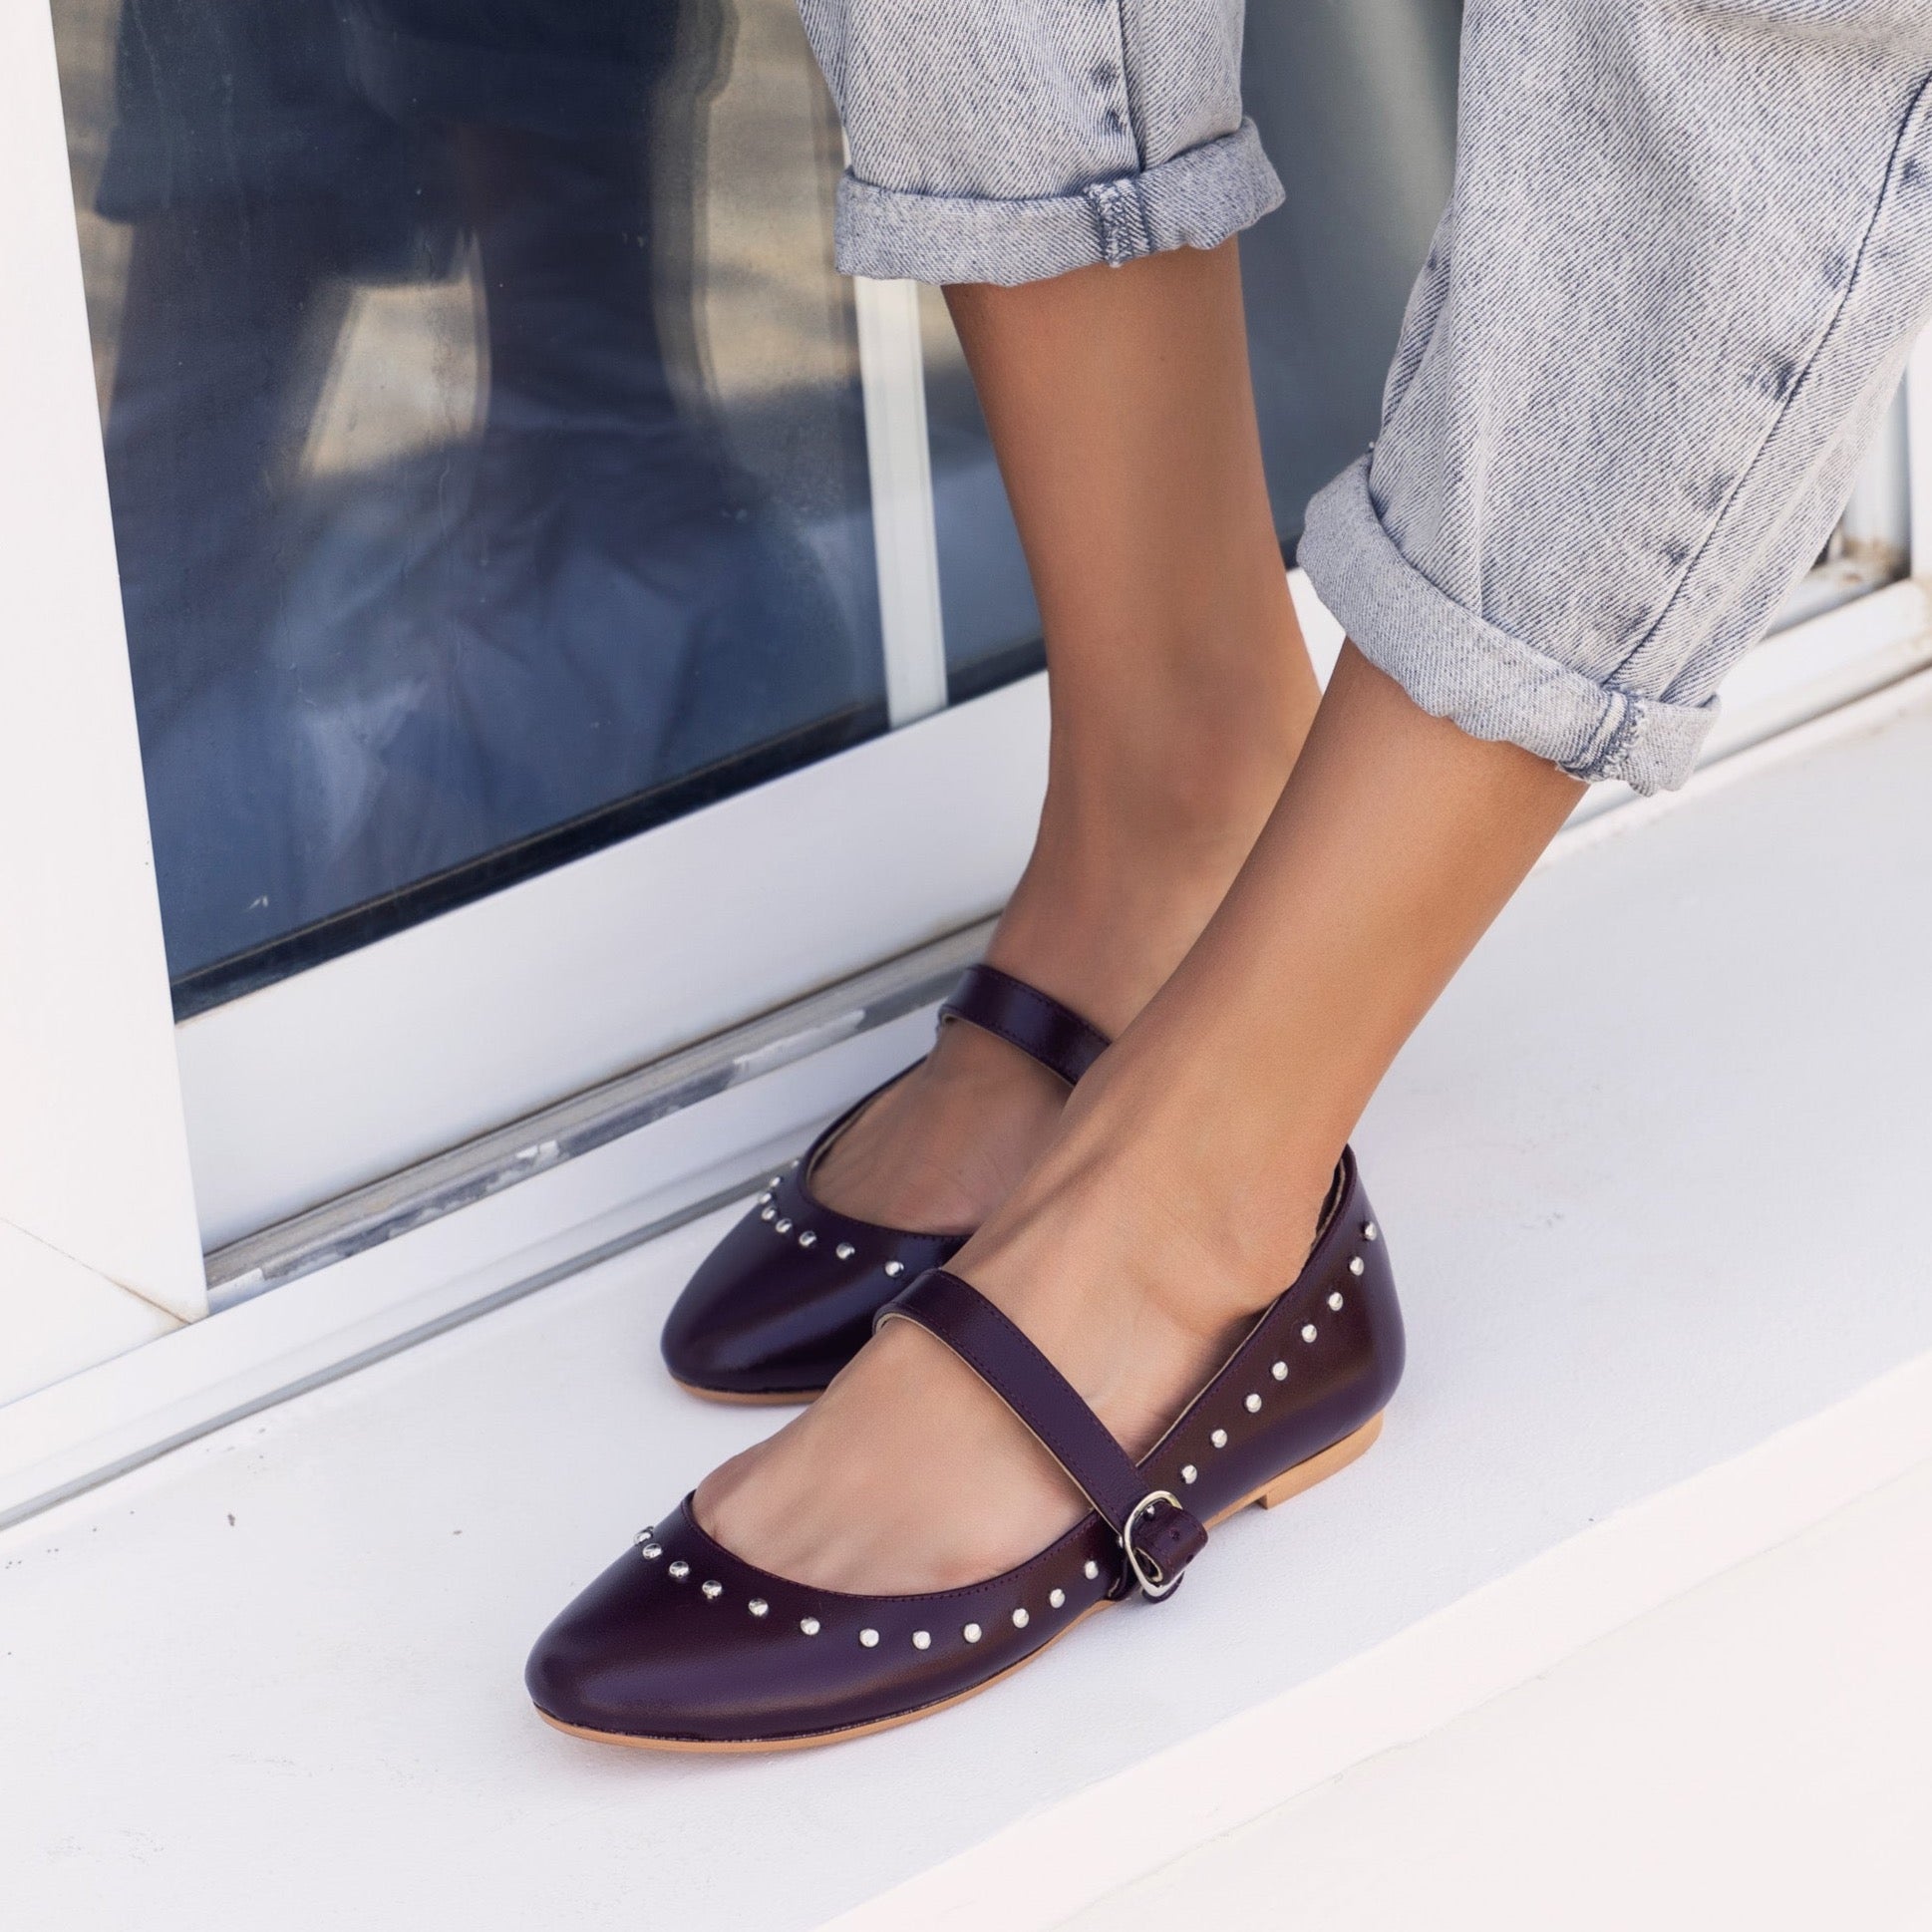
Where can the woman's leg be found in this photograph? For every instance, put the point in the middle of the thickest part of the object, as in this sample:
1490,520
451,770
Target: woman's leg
1183,1187
1123,419
1634,382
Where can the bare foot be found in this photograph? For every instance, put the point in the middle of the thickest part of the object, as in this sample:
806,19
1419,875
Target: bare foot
939,1150
1097,924
910,1474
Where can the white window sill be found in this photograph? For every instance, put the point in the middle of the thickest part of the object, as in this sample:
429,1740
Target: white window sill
1653,1176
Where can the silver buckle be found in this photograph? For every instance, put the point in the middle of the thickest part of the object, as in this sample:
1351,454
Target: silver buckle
1146,1572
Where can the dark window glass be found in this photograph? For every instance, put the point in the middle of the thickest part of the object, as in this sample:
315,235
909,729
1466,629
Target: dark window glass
1356,102
483,434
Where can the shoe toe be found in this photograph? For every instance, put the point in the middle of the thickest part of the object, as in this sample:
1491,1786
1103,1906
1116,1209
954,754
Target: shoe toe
637,1655
765,1316
584,1670
670,1650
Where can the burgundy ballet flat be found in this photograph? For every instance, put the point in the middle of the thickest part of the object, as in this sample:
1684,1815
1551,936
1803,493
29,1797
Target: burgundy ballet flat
682,1646
788,1297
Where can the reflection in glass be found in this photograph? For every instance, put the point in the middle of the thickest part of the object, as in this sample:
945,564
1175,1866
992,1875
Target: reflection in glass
1357,105
1356,101
484,435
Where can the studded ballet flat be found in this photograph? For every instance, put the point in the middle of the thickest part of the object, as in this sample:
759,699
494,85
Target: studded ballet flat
788,1297
682,1646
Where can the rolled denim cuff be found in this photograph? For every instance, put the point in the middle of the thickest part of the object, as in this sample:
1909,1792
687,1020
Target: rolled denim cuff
1458,666
1196,200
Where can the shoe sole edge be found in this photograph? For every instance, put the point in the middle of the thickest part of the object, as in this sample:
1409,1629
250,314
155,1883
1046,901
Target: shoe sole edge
752,1397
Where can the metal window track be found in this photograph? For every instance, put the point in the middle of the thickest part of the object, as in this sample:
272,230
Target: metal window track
368,1216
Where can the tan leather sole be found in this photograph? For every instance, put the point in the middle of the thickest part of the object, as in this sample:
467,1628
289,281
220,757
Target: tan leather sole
1305,1476
1291,1482
798,1399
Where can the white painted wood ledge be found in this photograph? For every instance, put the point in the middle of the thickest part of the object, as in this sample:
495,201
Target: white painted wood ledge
99,1247
1652,1180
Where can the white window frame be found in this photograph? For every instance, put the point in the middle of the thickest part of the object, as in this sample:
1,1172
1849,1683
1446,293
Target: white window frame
99,1242
128,1144
330,1078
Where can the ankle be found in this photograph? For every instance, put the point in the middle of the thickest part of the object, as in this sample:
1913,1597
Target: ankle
975,1076
1193,772
942,1148
1123,879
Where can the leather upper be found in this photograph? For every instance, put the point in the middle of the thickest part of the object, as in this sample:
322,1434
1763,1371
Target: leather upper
788,1297
679,1640
1026,1018
1166,1534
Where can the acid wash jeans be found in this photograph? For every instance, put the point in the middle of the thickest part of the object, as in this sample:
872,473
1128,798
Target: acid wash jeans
1687,252
1006,141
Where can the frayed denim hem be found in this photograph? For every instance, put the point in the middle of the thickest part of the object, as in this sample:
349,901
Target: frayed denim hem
1196,200
1458,666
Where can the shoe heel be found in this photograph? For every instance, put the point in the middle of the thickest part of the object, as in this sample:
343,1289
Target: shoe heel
1305,1476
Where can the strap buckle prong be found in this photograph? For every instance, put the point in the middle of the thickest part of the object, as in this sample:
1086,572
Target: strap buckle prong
1153,1581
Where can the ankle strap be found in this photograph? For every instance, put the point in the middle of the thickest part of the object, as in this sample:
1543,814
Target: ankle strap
1026,1018
1159,1536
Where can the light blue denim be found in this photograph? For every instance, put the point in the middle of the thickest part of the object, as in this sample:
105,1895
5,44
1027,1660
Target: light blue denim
1006,140
1687,252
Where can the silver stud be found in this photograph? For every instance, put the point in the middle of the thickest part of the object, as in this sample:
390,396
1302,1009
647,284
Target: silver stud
1335,1301
680,1569
785,1227
1189,1472
713,1589
648,1534
768,1215
807,1240
1308,1331
895,1268
1279,1372
971,1633
1220,1438
869,1638
922,1640
777,1180
650,1551
844,1250
1370,1232
1356,1264
810,1625
763,1197
1091,1570
1252,1404
1021,1620
1057,1598
757,1606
